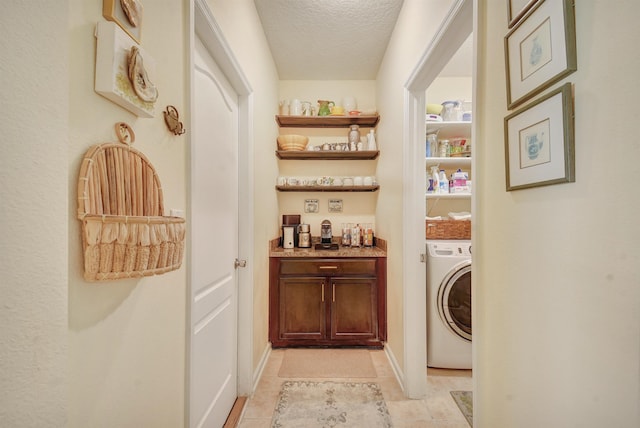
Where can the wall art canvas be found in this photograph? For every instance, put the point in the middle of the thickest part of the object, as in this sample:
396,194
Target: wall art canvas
114,52
127,14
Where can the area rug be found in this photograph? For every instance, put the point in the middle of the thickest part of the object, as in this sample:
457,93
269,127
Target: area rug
327,363
464,400
330,404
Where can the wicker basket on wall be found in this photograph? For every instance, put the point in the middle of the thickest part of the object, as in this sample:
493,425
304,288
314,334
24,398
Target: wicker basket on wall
124,231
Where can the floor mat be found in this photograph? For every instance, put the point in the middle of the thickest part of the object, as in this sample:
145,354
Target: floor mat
327,363
464,400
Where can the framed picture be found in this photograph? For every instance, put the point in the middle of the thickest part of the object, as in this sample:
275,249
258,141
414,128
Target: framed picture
540,50
517,8
311,205
127,14
335,205
539,142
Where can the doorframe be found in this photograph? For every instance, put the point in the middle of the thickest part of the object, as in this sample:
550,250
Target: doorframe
447,40
203,24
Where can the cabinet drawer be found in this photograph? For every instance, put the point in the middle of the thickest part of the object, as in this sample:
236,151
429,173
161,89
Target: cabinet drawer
328,267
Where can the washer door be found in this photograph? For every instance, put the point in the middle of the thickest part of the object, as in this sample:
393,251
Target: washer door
454,300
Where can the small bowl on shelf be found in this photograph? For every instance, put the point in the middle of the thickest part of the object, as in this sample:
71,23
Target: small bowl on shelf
292,142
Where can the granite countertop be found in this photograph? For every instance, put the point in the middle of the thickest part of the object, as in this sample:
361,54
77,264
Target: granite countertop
379,250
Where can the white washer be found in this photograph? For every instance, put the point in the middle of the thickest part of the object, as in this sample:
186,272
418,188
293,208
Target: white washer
449,304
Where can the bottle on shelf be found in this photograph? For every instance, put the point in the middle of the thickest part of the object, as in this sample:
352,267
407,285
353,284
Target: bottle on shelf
354,137
436,179
443,182
371,141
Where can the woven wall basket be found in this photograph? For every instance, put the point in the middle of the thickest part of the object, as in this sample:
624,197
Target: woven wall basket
124,231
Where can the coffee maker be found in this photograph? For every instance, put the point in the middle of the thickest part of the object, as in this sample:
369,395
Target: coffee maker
325,232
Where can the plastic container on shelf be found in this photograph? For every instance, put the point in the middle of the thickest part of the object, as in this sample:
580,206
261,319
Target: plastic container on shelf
432,145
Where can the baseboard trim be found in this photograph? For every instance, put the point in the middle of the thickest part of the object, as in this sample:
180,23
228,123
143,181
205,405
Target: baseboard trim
257,374
395,366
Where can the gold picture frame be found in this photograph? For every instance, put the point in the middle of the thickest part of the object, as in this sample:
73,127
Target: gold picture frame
540,50
539,142
128,17
516,10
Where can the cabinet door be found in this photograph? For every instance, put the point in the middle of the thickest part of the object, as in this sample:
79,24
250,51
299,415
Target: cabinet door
354,308
302,308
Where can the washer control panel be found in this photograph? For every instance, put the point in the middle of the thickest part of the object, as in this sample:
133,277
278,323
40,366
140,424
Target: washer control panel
449,249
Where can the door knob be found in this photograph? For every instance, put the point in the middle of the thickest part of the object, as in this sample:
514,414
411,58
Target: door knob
239,263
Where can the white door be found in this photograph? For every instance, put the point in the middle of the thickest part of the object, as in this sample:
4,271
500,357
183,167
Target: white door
214,245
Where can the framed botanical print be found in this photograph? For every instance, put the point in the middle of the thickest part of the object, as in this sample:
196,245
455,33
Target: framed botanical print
540,50
539,142
516,9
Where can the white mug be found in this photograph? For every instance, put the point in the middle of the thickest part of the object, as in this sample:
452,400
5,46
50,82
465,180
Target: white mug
368,181
295,107
348,181
357,181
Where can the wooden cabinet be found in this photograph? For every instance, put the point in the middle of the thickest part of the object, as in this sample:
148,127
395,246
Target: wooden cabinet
327,302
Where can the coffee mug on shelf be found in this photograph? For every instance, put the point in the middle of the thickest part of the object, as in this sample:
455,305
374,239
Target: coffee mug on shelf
337,110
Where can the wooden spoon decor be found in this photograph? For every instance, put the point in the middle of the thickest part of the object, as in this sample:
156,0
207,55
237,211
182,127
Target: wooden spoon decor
124,133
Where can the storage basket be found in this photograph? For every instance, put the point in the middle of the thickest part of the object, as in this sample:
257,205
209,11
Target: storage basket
124,231
448,229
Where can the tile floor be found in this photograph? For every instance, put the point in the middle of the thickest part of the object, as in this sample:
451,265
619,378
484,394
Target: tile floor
437,410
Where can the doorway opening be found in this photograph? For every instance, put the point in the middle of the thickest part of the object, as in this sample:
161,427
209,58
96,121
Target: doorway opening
452,34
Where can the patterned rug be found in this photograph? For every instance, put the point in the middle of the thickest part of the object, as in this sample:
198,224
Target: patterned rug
464,400
330,404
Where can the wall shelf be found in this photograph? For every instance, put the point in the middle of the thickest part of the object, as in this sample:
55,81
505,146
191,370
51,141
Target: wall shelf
448,195
326,121
447,130
326,155
328,188
450,161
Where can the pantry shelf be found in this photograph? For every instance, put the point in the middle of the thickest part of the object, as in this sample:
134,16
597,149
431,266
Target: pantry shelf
373,188
327,155
326,121
449,161
448,195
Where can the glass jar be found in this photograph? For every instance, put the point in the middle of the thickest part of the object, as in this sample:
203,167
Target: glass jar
443,148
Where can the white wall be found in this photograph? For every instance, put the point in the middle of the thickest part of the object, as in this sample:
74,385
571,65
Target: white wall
243,31
556,280
417,23
127,337
34,207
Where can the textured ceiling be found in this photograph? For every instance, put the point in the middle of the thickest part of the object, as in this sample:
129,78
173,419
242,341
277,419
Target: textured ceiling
328,39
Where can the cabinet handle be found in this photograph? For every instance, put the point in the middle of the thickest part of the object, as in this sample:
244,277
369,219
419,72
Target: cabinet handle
327,267
323,292
333,292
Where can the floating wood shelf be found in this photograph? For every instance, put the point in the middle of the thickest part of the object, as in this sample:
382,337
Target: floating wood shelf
327,188
327,155
326,121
